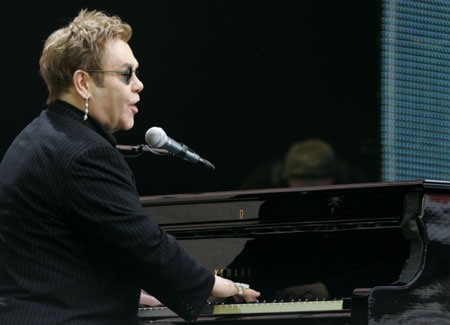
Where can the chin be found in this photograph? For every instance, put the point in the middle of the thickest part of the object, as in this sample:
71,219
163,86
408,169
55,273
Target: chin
127,125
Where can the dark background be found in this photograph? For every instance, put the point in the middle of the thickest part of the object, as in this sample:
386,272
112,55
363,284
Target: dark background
237,81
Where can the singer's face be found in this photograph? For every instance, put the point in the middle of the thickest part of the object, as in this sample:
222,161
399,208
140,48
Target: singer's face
114,102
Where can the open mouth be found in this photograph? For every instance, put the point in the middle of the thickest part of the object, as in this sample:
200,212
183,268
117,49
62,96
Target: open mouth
134,108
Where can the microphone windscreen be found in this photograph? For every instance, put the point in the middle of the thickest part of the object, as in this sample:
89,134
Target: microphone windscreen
155,137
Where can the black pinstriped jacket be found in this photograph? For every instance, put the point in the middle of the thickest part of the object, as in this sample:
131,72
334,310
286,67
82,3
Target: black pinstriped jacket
75,245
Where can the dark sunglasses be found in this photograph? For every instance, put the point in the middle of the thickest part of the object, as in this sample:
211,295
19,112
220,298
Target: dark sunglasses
126,74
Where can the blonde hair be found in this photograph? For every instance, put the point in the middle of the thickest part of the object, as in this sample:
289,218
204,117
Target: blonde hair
80,45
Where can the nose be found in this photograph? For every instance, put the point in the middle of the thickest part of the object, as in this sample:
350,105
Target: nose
137,84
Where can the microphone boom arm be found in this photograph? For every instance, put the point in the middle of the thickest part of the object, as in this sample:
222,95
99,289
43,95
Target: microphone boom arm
141,148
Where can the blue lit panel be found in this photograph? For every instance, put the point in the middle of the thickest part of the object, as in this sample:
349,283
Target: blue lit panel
415,81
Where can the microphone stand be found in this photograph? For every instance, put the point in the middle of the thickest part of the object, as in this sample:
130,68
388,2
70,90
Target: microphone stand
140,149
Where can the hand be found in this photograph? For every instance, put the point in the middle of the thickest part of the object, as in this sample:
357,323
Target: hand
226,288
147,299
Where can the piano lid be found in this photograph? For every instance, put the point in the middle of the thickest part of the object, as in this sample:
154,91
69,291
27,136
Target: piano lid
381,202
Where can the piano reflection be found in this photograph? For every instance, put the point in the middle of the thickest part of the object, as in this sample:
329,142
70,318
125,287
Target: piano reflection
375,253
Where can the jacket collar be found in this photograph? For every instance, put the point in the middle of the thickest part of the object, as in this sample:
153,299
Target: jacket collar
71,111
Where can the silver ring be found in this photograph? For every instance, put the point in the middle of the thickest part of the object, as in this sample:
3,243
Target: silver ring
241,287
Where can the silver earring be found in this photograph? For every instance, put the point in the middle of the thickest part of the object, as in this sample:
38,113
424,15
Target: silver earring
86,111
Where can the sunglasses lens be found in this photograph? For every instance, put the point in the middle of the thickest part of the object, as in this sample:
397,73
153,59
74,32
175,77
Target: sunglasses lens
129,74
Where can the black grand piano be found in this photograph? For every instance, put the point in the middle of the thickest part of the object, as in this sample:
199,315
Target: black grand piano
376,253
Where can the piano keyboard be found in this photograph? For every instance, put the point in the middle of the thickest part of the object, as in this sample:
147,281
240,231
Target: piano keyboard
250,308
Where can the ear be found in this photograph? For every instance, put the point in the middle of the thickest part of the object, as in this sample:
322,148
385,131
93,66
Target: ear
81,80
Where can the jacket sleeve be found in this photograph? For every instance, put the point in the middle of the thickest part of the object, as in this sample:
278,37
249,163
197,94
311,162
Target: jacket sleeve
103,200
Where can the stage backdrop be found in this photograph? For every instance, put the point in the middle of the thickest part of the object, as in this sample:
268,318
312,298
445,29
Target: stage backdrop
237,81
415,90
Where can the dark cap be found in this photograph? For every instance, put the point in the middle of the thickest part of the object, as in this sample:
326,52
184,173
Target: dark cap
310,158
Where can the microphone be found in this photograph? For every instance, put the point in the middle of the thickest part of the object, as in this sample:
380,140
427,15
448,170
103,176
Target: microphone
157,138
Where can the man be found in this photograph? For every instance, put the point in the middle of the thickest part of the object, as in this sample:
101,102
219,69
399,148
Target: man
75,245
310,162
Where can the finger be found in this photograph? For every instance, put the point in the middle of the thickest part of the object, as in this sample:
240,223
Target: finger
251,292
250,299
238,298
248,295
149,300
